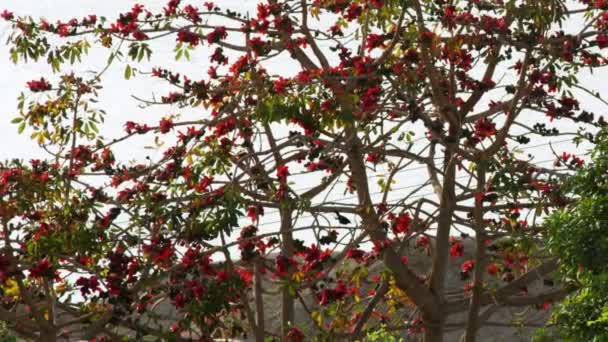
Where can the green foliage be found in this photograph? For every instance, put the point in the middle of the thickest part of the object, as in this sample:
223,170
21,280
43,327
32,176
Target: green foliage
137,51
579,235
5,335
278,108
584,316
382,335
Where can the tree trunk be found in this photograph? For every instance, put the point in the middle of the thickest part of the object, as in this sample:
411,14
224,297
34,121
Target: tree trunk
287,302
259,302
434,328
433,331
47,336
480,261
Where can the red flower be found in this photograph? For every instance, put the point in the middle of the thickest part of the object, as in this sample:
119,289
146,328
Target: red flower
294,335
457,250
282,264
494,25
374,158
203,185
44,177
131,127
64,30
328,296
160,251
353,11
467,266
427,36
139,35
216,35
417,327
423,242
39,85
485,128
336,31
136,10
192,13
43,268
88,285
219,58
479,196
244,275
374,41
377,3
492,269
6,15
222,276
185,36
171,7
254,212
369,100
259,46
283,172
280,85
180,300
402,223
165,125
355,254
380,245
602,40
545,306
263,11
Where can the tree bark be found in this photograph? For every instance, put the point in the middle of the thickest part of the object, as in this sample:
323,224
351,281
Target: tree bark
447,203
480,261
287,249
259,302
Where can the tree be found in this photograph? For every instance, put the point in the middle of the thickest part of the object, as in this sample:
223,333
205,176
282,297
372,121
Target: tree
578,234
92,244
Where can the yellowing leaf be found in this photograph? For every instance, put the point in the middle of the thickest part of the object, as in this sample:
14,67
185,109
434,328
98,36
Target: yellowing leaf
317,317
11,288
297,276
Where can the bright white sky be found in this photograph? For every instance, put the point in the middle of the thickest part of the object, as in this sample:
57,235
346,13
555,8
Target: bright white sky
115,98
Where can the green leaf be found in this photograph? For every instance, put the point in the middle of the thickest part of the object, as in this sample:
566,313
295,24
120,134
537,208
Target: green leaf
128,72
93,126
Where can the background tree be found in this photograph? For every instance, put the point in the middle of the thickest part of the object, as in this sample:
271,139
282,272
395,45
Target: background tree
578,234
92,244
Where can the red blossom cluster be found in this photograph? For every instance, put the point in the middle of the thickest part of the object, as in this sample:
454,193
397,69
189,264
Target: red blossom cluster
42,269
6,15
165,125
39,85
401,223
192,13
218,34
569,160
186,36
330,295
132,127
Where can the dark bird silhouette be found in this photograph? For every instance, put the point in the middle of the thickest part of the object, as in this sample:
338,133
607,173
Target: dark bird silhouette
341,218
